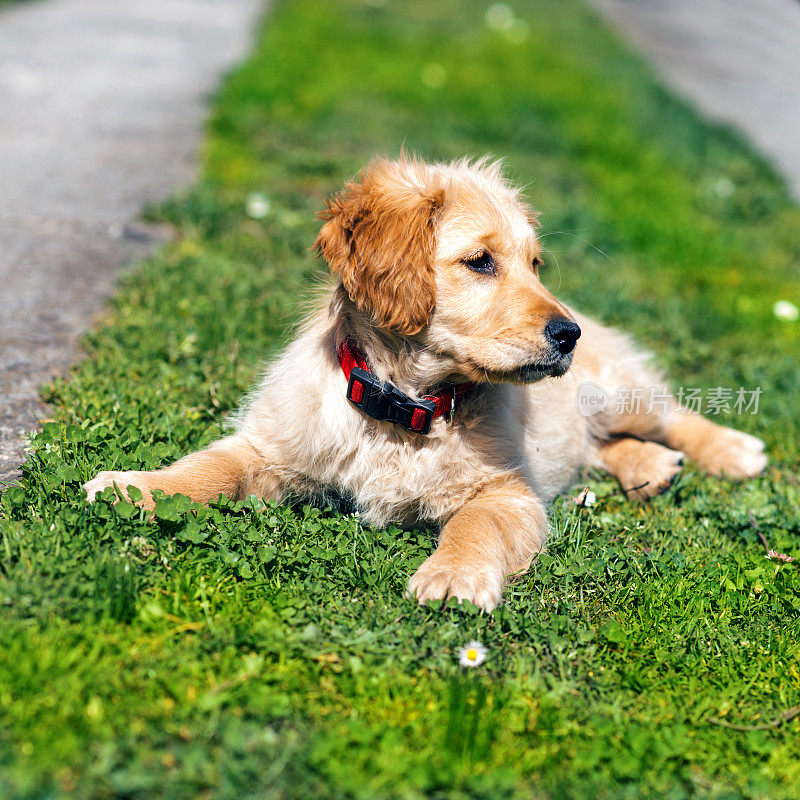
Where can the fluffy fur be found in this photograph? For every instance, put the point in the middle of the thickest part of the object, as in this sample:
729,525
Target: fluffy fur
405,242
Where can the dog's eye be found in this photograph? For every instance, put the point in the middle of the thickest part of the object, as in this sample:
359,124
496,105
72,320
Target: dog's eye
536,263
483,263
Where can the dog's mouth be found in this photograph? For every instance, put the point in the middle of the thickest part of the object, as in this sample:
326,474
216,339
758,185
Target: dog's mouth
538,370
549,365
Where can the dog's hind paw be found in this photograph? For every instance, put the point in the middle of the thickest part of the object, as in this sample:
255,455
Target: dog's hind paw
722,451
436,580
733,454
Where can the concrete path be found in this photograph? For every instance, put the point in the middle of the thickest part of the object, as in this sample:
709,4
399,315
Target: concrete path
101,108
736,60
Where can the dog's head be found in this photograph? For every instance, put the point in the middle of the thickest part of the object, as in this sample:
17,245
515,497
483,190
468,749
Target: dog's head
447,254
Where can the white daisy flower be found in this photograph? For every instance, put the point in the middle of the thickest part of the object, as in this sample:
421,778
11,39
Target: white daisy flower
258,205
499,16
786,311
586,497
472,654
724,188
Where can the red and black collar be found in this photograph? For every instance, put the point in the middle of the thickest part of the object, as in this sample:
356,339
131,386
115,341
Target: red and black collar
385,402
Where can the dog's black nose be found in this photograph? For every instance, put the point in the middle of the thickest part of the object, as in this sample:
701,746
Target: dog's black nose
562,334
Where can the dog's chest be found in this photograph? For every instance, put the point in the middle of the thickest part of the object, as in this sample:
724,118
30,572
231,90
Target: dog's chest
392,477
395,476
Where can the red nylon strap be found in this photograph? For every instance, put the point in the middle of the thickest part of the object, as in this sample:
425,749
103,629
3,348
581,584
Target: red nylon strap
350,357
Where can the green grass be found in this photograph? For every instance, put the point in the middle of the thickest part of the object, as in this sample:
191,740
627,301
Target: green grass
250,651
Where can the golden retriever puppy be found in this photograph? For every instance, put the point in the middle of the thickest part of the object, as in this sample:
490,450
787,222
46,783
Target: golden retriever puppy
439,384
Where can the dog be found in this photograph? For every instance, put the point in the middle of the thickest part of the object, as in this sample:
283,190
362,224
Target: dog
438,384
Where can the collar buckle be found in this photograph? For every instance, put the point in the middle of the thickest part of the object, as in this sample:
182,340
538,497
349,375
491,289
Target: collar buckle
384,402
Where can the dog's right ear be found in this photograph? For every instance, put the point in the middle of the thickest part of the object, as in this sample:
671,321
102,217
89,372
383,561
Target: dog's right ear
379,238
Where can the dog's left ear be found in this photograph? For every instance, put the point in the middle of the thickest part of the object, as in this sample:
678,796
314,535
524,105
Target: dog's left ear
379,238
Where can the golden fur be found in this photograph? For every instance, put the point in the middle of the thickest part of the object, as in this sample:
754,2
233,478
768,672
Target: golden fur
406,242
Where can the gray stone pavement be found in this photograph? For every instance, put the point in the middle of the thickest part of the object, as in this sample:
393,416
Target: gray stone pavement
101,108
738,61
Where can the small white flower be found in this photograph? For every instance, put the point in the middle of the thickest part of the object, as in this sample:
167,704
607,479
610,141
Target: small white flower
586,497
724,188
786,311
257,205
499,16
472,654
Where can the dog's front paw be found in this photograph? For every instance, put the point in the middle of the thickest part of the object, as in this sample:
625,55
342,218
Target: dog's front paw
440,577
733,454
653,471
122,480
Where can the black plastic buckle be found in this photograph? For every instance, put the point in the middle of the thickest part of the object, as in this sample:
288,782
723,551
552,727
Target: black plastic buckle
386,403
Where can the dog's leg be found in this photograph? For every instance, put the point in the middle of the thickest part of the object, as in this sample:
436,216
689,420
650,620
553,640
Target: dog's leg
717,449
495,534
643,469
648,412
231,466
